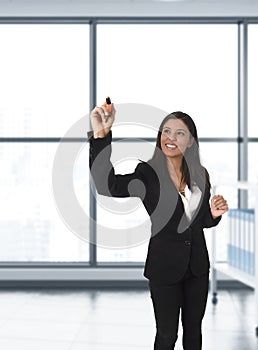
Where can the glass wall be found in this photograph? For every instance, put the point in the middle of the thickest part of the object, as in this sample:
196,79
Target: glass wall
252,107
123,225
252,84
44,72
186,67
149,70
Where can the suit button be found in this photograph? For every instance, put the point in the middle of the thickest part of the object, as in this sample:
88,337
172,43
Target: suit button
187,243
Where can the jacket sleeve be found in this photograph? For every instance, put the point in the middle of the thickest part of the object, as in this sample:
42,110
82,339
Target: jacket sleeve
106,181
208,220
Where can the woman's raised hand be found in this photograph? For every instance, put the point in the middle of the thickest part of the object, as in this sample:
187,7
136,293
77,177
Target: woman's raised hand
102,119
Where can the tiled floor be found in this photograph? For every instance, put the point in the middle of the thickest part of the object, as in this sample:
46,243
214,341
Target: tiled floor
114,320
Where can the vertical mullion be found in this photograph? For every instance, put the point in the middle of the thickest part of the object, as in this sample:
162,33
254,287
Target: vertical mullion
92,190
242,111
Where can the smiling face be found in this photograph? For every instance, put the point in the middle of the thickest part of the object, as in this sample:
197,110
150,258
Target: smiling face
175,138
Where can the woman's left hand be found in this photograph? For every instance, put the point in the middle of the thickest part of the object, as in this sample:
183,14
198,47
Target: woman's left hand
219,206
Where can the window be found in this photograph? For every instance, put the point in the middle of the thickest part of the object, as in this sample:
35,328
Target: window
252,108
220,159
43,71
185,67
252,81
123,225
45,92
152,70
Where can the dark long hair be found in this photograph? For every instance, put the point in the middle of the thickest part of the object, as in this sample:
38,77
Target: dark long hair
192,170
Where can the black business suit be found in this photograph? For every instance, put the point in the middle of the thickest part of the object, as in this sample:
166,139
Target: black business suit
177,248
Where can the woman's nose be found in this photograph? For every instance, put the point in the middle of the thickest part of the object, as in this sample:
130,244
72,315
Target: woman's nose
172,136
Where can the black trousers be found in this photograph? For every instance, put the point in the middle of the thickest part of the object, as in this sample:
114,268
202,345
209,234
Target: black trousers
189,295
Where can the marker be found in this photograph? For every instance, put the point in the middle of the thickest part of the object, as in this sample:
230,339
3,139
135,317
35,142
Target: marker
108,103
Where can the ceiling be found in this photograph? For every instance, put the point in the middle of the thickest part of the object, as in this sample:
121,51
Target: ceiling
130,8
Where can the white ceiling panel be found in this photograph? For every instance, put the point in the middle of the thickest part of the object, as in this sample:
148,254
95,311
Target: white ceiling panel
130,8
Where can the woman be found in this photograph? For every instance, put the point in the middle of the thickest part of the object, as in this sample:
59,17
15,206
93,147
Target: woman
175,190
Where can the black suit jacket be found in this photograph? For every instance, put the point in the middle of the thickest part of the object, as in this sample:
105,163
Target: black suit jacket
175,242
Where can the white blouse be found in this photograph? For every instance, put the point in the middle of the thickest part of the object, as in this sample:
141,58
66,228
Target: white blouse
191,200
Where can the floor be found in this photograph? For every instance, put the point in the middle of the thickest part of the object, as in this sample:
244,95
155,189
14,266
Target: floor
114,320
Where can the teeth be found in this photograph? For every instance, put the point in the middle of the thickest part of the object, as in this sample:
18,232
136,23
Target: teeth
171,146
